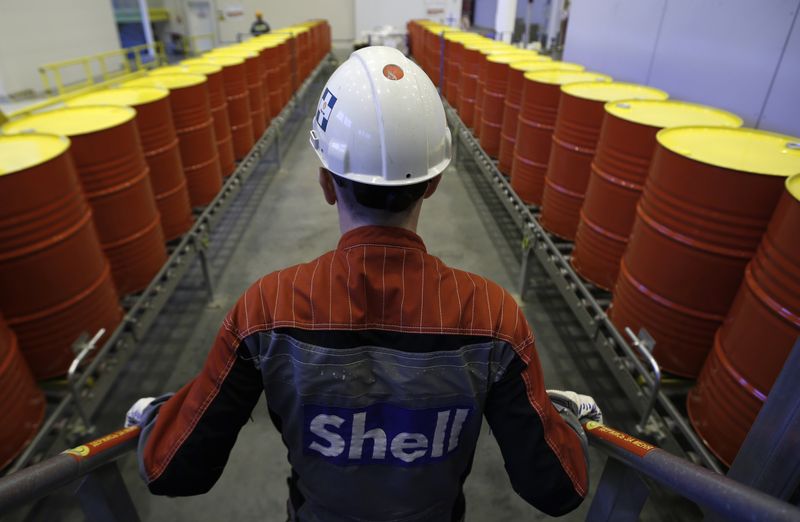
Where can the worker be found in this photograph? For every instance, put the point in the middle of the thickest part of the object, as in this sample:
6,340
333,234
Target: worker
259,25
377,360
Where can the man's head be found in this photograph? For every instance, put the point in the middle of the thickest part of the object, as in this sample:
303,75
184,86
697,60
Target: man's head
381,134
259,15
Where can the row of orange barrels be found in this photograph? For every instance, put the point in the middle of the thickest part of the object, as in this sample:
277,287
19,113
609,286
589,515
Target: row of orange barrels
90,192
689,219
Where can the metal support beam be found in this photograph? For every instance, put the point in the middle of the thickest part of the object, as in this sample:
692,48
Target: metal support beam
104,497
769,459
620,496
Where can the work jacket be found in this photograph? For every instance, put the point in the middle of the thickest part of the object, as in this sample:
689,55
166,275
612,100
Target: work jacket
259,27
378,363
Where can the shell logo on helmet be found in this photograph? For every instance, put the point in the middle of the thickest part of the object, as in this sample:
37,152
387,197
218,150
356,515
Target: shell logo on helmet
389,127
325,108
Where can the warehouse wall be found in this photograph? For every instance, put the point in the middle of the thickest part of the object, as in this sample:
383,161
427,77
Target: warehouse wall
370,14
35,32
741,55
278,13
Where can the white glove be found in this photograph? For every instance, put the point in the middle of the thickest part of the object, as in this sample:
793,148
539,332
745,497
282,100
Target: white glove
582,406
136,412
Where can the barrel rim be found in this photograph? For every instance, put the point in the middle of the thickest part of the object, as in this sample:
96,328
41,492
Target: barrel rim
579,90
124,115
555,76
168,81
233,51
205,69
63,145
225,60
793,186
511,56
546,65
663,134
613,108
155,94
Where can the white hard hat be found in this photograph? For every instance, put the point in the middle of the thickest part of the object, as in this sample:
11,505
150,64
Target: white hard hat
380,121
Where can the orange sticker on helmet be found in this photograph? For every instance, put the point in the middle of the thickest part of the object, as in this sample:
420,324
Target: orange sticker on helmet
393,72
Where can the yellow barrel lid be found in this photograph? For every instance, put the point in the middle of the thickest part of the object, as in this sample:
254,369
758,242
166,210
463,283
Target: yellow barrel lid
538,65
557,77
261,44
233,51
23,151
792,185
126,96
72,121
746,150
225,60
203,68
280,38
671,113
611,91
512,57
485,45
167,81
461,36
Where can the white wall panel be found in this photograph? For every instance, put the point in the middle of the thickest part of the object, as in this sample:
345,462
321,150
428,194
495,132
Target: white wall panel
370,14
281,13
616,37
782,108
722,52
35,32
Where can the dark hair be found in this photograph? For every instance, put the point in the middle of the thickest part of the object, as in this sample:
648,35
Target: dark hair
388,199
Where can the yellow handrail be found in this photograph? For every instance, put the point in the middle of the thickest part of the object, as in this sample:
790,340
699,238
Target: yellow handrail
99,60
61,98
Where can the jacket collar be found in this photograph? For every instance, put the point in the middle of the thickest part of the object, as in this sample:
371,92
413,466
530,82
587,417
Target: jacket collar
383,236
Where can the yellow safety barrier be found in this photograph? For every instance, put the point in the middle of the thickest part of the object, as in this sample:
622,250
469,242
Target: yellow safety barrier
97,65
61,98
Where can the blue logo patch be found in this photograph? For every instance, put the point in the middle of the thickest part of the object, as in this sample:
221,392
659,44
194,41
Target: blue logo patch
382,434
325,108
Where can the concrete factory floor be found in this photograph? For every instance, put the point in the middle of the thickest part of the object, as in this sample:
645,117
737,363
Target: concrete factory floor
280,219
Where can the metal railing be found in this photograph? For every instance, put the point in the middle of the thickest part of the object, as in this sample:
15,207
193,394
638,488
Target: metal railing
101,67
628,359
69,418
102,492
619,496
622,493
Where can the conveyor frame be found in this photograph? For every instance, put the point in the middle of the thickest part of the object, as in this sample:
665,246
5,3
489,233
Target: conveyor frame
661,419
80,397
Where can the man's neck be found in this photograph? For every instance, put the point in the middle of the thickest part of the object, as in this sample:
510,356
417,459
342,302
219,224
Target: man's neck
348,222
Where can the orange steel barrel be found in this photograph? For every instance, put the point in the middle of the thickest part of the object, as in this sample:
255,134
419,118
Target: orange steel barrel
303,52
756,338
706,204
513,101
453,56
580,116
271,82
537,118
160,147
191,113
618,172
468,88
285,68
116,181
56,282
235,80
21,402
493,102
258,93
480,89
217,102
